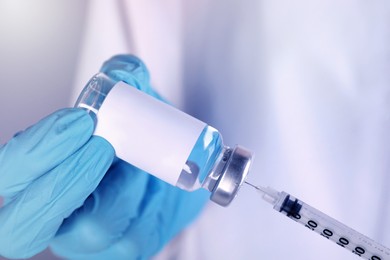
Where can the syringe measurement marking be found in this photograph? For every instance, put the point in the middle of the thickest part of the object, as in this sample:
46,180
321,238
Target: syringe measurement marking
333,230
326,232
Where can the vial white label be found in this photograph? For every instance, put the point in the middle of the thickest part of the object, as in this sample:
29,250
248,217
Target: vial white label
146,132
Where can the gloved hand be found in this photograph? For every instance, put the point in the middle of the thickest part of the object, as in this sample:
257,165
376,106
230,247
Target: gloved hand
131,215
46,172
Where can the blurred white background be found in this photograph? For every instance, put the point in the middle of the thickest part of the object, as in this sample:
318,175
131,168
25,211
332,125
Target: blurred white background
36,75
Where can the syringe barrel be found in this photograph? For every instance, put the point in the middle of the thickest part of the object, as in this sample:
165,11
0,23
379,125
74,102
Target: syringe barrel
330,228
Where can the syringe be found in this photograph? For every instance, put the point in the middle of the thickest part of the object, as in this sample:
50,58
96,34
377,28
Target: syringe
324,225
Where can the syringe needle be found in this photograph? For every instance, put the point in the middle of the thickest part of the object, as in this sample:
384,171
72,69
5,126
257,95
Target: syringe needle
258,188
250,184
270,195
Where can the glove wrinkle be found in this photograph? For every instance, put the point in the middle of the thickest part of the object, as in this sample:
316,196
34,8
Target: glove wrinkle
31,220
41,148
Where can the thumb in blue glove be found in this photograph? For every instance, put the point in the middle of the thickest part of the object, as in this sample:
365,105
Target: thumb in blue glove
46,172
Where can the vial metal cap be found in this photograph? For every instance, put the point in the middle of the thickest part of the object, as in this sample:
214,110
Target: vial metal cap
232,176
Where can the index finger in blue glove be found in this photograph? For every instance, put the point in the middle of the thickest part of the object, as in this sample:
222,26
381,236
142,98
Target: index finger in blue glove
131,221
41,147
131,70
32,218
106,214
164,212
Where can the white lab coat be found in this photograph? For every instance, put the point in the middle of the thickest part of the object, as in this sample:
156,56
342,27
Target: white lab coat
304,85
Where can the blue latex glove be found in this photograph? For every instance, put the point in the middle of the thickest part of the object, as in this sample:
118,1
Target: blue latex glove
46,172
131,215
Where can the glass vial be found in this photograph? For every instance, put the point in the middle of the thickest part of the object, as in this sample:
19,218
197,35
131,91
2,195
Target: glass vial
210,165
